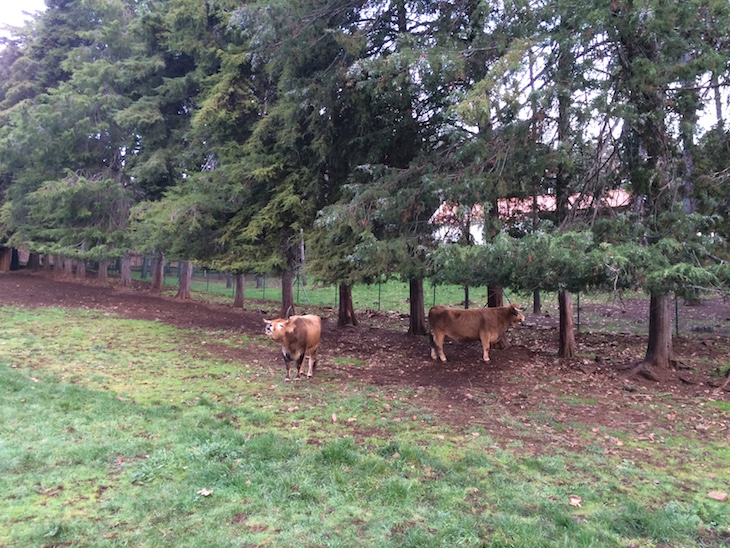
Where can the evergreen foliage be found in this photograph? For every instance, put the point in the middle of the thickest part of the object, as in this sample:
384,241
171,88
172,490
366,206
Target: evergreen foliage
227,133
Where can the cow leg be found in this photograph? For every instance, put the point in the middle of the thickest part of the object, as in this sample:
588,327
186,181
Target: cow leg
287,361
437,346
312,366
299,367
485,345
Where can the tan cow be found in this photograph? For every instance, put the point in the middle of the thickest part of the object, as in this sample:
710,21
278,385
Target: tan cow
477,324
299,337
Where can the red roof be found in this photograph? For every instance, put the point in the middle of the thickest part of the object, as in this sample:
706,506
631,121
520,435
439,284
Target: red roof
512,207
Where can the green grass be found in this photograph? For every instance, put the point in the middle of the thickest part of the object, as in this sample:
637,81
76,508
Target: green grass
117,432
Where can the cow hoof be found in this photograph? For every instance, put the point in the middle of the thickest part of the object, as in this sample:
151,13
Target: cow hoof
286,379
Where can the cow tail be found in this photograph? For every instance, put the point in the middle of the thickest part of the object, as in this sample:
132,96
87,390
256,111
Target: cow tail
433,342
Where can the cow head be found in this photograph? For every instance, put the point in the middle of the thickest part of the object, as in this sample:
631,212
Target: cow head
517,315
276,328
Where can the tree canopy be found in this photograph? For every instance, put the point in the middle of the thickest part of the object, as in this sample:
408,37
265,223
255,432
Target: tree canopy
228,132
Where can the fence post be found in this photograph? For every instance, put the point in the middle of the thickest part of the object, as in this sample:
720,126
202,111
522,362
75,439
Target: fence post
577,296
380,285
434,294
263,292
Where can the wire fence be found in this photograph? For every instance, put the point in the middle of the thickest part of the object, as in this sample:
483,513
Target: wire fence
601,311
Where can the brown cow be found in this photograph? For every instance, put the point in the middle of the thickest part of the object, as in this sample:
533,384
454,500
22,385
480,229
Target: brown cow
478,324
299,337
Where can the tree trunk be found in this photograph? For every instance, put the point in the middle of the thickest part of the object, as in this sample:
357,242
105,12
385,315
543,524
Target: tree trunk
145,267
48,263
658,357
566,347
536,302
6,256
240,289
302,258
417,325
158,277
185,270
466,297
14,259
718,105
68,267
80,269
562,175
57,265
495,296
102,276
346,312
126,271
34,261
287,294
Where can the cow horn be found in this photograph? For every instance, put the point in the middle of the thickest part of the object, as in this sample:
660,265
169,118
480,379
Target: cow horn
288,310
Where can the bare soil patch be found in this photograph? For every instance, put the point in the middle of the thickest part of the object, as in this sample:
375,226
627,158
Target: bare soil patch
590,390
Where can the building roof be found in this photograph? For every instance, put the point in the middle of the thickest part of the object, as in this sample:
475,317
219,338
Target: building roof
447,213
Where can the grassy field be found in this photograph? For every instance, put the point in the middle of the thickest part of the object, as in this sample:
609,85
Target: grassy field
116,432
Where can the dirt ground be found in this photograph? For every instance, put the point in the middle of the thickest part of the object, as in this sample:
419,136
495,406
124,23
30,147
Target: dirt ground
518,379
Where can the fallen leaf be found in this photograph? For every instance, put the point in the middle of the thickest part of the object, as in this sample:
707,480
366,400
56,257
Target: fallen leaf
575,500
205,492
292,409
334,417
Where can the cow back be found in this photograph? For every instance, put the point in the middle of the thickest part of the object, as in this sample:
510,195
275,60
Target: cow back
306,332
